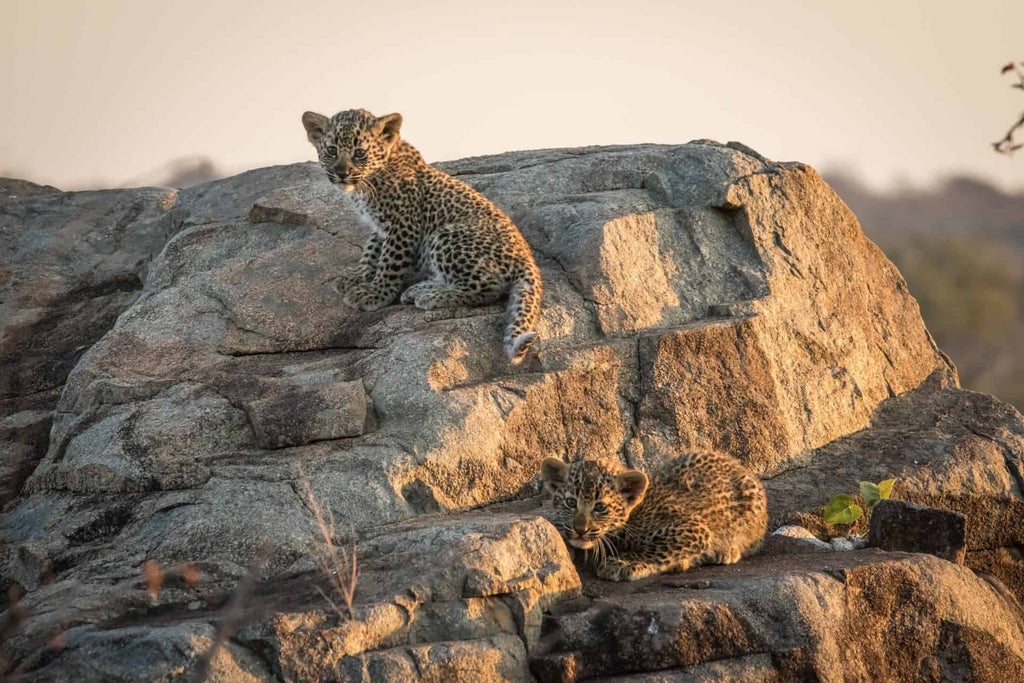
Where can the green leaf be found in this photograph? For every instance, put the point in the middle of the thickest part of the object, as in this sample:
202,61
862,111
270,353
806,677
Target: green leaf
842,510
871,494
885,488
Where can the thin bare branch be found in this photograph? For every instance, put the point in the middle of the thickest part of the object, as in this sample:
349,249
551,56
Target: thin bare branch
1008,145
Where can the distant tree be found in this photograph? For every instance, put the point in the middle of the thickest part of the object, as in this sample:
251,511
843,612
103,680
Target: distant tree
191,171
1008,145
182,172
971,293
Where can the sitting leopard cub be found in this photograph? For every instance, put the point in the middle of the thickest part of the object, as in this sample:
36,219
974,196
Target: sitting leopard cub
699,508
422,220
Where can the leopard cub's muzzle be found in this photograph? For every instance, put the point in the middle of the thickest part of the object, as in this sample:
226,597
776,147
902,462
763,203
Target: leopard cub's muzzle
582,534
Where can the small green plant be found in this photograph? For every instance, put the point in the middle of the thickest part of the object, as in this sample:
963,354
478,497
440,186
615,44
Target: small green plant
843,509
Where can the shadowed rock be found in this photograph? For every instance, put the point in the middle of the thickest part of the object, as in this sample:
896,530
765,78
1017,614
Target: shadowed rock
299,414
896,525
70,263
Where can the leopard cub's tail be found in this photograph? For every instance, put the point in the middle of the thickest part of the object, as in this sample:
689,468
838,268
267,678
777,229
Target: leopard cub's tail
523,311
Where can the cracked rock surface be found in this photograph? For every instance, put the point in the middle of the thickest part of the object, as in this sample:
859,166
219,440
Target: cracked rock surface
178,370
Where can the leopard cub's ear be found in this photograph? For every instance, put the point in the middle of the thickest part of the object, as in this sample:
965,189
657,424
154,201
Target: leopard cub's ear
554,472
389,126
315,125
632,485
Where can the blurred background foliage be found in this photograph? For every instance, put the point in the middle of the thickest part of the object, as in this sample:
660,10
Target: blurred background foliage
960,246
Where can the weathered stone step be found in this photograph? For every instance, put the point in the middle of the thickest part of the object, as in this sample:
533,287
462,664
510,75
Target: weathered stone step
814,614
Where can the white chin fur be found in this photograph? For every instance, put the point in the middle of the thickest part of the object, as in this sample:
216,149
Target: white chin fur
581,543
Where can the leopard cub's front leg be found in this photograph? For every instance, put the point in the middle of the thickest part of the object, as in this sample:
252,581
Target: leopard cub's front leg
366,269
394,269
624,569
349,276
638,563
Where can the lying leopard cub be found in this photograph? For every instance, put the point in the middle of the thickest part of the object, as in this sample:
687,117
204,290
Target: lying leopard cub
699,508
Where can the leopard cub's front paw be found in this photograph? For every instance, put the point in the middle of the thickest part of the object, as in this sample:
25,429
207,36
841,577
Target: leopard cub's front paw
363,297
427,301
347,277
410,294
618,569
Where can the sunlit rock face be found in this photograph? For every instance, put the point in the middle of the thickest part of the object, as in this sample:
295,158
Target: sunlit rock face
696,296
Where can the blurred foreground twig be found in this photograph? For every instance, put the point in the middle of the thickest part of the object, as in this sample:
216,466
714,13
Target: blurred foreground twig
233,612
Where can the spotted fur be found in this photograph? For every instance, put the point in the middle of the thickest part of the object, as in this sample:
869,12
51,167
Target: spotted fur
424,222
698,508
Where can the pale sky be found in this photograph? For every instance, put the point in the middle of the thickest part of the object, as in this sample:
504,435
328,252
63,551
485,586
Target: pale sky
100,92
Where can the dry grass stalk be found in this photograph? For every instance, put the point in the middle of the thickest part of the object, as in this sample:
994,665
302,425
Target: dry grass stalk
338,564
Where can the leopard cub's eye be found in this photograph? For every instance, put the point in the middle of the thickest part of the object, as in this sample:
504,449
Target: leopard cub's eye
569,503
359,154
600,507
331,150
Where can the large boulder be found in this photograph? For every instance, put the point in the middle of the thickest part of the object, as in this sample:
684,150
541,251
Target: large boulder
858,616
696,296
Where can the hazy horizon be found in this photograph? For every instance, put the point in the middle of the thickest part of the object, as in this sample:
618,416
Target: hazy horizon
112,91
